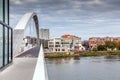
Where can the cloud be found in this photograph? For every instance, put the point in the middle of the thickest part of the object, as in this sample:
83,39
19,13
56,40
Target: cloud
16,2
83,15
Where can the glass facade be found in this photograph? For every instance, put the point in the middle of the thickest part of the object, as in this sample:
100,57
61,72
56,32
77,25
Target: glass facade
5,34
6,46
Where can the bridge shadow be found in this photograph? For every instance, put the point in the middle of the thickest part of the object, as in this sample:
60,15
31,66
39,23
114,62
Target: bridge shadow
34,52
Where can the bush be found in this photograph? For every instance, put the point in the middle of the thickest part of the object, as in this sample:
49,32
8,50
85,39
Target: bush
101,48
94,49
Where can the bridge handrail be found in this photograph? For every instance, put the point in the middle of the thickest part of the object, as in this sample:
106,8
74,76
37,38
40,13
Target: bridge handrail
40,72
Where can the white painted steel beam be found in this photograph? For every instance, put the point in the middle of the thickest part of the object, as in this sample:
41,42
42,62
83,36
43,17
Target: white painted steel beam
19,30
40,70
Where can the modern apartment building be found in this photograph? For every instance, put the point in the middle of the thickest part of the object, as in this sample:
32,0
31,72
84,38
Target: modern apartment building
95,41
58,45
44,34
71,39
66,43
5,34
74,41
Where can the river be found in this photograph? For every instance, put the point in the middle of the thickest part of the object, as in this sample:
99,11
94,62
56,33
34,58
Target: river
84,68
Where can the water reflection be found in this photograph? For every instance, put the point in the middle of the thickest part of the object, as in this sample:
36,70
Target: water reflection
72,60
76,58
63,60
84,68
112,58
96,59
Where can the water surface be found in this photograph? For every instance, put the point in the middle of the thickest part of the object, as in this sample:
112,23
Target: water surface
85,68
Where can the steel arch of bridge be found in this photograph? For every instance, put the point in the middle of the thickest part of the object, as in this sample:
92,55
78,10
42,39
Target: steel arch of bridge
19,30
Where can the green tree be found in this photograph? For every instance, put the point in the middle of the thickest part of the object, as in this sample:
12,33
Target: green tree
110,44
101,47
118,45
94,49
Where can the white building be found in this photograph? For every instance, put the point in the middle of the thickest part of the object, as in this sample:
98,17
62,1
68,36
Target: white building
66,43
44,34
56,45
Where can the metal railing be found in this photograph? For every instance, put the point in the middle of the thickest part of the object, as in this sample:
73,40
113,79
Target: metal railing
40,70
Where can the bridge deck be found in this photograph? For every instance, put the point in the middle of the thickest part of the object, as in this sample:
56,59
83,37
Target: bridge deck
22,67
31,53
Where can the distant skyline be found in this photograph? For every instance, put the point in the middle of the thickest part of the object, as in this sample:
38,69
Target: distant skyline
83,18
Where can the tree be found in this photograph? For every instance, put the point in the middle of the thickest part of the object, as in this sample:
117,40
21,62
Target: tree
94,49
101,47
118,45
110,44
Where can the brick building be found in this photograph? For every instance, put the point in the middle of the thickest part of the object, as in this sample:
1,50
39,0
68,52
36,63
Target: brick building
95,41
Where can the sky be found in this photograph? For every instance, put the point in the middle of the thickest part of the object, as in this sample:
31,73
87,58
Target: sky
83,18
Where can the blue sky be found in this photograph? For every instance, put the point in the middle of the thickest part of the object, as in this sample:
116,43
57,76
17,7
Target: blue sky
83,18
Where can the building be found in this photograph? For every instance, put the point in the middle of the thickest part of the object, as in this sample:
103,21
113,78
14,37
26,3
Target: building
44,34
74,41
95,41
66,43
44,37
85,43
5,34
57,45
31,41
44,43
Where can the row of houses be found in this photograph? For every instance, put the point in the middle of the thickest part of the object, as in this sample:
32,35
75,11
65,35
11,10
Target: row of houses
68,42
95,41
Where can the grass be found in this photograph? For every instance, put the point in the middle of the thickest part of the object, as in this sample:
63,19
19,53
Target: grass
60,55
83,54
114,52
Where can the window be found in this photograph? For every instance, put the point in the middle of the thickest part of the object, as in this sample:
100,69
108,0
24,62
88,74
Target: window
57,43
1,45
1,34
63,49
10,45
6,45
58,49
5,35
51,45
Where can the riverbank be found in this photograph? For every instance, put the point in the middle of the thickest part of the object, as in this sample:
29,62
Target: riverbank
83,54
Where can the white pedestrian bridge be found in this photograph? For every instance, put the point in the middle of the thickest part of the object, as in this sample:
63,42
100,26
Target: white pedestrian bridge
28,64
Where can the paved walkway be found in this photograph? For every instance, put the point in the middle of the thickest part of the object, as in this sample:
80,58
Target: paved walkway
31,53
22,67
